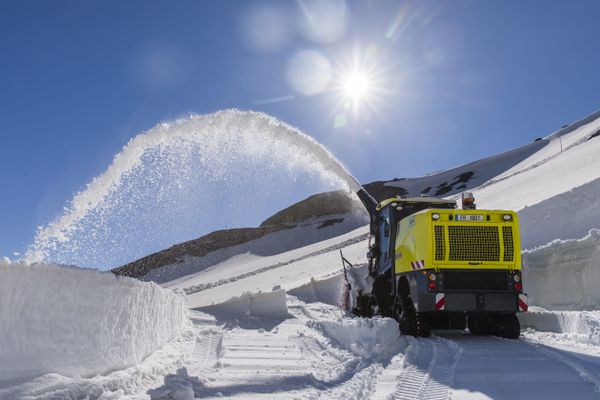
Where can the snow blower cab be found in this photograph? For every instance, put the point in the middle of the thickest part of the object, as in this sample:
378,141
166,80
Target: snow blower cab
434,266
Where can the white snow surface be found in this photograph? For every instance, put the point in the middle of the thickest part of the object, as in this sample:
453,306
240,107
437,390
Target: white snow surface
547,172
79,322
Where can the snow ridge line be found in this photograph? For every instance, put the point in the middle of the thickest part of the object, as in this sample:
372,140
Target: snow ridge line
535,165
210,285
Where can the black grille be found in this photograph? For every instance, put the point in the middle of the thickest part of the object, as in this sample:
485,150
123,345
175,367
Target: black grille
509,248
475,280
440,243
474,243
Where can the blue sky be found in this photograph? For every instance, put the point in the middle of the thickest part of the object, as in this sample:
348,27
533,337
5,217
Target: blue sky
453,81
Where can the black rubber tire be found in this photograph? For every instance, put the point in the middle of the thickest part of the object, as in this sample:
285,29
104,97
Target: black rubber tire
407,317
410,321
424,321
479,325
457,321
507,326
440,320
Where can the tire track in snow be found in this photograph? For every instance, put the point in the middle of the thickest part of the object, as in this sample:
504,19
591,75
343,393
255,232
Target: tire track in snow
206,351
425,371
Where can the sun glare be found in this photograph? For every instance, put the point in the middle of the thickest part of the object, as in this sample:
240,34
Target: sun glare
359,85
356,86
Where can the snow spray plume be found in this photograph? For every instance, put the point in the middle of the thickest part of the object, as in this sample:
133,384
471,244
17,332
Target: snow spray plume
180,176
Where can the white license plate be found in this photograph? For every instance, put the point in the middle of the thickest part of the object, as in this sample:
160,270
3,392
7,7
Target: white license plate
471,217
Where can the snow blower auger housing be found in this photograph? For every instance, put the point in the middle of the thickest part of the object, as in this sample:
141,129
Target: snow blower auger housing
432,265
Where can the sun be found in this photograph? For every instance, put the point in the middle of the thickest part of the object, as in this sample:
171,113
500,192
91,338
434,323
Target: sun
356,86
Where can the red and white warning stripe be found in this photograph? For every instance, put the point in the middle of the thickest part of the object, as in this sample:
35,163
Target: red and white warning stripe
420,264
440,301
523,302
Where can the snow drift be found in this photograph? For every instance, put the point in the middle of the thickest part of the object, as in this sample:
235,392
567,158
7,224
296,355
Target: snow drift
564,274
74,321
261,304
576,326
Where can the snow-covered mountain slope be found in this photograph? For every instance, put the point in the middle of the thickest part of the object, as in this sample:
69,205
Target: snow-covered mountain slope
269,245
468,176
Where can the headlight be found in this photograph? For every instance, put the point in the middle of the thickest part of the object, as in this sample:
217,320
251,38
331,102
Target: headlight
507,217
435,216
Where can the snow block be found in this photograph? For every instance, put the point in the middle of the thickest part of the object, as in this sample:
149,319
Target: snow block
80,322
369,338
327,290
260,304
577,326
564,274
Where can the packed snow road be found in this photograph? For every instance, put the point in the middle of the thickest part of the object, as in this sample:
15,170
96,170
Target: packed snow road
316,352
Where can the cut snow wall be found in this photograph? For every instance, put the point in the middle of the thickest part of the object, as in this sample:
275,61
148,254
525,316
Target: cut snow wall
564,275
76,321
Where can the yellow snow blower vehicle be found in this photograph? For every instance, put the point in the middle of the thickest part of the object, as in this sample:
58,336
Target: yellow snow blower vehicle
433,266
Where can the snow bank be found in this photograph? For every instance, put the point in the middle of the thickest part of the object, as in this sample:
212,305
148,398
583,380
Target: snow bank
369,338
261,304
329,290
74,321
564,275
576,326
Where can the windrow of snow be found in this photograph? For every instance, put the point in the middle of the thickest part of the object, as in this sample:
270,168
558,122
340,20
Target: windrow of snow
73,321
564,274
575,326
369,338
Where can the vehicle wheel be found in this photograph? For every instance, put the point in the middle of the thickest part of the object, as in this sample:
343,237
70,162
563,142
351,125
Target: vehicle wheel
440,320
507,326
479,325
457,321
409,321
406,316
424,321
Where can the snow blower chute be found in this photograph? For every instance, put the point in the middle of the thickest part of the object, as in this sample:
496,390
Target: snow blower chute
433,266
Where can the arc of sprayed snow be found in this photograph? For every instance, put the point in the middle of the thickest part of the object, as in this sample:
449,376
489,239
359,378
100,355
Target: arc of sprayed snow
130,157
